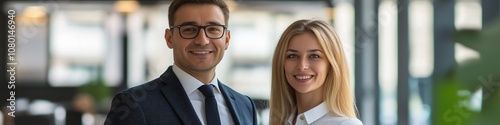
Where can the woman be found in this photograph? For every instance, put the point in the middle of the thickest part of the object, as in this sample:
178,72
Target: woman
310,81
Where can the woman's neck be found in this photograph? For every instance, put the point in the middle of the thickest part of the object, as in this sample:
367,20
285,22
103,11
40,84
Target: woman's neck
307,101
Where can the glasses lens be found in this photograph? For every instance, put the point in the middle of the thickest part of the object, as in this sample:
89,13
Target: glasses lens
188,31
214,31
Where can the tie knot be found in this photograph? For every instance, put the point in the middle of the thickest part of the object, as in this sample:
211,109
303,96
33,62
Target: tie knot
207,90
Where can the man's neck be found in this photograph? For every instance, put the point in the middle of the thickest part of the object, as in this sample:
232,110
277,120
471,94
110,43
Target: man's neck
204,77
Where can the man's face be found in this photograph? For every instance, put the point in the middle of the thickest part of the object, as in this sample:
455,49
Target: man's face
200,54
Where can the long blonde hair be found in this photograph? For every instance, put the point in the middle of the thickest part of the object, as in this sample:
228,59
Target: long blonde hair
336,90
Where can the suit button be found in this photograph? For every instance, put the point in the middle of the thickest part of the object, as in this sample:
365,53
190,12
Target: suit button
301,117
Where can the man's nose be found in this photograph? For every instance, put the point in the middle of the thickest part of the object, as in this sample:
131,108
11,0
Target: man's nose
202,38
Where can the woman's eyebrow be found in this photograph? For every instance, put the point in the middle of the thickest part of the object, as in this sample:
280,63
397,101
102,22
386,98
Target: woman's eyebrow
313,50
292,50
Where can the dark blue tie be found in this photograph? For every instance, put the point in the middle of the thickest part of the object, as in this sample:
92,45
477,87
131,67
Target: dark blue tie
211,111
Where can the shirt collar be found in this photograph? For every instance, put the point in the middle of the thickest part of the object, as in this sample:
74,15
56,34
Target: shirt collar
311,115
189,83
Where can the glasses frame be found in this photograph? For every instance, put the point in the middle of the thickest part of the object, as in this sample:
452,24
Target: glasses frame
199,27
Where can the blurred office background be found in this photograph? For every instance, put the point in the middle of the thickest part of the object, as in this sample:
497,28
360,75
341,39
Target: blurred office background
412,62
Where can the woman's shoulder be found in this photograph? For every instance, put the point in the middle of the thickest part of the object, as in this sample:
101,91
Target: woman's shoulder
336,120
351,121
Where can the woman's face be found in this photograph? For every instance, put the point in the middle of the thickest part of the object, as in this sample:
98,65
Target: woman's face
306,65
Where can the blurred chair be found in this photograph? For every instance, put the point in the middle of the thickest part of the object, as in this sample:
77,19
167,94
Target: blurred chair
34,120
1,117
73,117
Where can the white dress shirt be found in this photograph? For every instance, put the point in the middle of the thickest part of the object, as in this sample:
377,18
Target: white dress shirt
197,98
319,116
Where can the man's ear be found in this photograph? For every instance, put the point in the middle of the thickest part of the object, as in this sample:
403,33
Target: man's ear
228,36
168,38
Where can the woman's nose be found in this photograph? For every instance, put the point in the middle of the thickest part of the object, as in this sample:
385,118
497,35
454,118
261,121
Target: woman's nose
303,65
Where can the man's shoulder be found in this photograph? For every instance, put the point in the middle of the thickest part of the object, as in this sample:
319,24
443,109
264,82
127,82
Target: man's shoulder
153,85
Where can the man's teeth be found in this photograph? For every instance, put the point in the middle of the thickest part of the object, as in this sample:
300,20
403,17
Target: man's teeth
303,77
200,52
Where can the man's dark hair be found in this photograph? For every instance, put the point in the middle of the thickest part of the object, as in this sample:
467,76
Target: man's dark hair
176,4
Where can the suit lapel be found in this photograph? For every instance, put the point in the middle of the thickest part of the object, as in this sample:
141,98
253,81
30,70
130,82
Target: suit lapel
231,103
177,98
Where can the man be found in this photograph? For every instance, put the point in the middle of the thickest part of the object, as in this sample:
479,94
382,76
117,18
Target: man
199,37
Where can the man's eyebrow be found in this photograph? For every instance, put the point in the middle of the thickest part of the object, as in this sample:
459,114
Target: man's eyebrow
214,23
194,23
188,23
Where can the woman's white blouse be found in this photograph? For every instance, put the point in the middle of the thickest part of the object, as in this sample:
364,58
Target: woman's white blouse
319,116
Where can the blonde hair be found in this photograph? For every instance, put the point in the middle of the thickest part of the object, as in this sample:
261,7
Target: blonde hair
336,90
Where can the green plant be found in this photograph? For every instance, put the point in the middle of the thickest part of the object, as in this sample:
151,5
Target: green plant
484,73
97,89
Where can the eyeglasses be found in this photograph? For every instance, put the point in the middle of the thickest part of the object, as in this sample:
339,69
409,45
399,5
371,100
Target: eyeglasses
192,31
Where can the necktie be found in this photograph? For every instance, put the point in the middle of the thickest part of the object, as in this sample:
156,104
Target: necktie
211,111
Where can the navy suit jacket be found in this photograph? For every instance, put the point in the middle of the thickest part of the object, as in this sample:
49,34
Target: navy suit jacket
163,101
